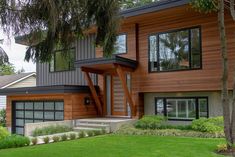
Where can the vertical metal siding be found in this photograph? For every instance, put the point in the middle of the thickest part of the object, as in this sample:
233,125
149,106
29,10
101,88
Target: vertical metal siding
85,49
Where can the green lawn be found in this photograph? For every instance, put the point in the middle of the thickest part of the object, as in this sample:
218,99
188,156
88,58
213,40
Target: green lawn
121,146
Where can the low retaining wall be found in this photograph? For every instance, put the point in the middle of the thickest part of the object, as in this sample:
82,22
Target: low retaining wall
30,127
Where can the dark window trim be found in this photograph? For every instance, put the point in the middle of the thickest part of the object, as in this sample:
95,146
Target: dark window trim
70,69
124,33
170,31
180,119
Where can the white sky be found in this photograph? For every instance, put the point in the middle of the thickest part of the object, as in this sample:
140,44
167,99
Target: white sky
16,53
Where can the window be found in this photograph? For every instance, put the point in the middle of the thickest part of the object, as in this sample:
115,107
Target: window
62,61
175,50
182,108
121,44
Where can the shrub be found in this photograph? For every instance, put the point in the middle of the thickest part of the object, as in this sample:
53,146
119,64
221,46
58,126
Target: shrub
51,130
97,132
3,133
14,141
46,140
211,125
90,133
222,148
103,131
150,122
34,141
64,137
56,138
72,136
82,134
3,117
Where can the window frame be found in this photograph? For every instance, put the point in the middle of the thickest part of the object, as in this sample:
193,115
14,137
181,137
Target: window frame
126,42
190,50
54,56
181,119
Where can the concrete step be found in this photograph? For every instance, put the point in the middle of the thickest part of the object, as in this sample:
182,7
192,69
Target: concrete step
85,129
91,125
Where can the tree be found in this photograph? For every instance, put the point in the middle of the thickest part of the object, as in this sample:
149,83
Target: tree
219,6
125,4
7,69
3,54
20,71
46,24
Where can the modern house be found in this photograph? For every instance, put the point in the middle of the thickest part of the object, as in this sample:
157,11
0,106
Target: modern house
167,62
16,81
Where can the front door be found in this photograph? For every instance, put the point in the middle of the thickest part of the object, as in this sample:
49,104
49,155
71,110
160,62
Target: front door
116,102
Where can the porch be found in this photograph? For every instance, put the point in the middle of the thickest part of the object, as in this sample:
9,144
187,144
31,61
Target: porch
115,98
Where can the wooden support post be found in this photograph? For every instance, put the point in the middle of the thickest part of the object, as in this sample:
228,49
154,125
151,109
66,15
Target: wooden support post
93,92
125,88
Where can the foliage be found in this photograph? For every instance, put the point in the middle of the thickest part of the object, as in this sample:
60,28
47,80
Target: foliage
97,132
90,133
126,4
211,125
7,69
150,122
56,138
72,136
130,130
34,141
3,133
48,24
103,131
51,130
205,6
64,137
222,148
3,117
82,134
46,139
14,141
3,55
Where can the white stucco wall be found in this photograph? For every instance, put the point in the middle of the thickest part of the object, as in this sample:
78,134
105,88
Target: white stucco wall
215,108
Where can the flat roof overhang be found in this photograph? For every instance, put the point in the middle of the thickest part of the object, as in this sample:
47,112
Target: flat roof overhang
106,65
57,89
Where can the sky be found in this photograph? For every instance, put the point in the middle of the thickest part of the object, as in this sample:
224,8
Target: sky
16,53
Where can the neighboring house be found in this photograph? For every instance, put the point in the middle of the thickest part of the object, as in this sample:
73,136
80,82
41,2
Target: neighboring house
16,81
167,62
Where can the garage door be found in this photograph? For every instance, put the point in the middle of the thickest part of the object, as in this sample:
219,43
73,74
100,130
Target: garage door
35,111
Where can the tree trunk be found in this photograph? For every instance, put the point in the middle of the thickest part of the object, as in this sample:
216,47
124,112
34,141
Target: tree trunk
224,92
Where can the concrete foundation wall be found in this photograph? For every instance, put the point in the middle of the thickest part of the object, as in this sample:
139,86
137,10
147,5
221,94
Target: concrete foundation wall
215,108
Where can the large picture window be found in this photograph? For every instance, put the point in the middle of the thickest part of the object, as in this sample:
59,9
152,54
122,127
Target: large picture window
175,50
121,44
63,61
182,108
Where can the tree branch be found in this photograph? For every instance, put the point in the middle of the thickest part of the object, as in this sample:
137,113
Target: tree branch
232,9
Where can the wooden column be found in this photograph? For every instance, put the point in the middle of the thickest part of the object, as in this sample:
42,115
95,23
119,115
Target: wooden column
94,93
122,77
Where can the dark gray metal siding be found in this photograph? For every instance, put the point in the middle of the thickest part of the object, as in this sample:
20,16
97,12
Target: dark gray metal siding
85,49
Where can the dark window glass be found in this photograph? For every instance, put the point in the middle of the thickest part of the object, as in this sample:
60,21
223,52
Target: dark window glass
63,60
203,107
176,50
160,107
120,45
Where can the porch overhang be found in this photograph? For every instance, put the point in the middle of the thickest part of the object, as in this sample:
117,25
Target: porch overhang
106,65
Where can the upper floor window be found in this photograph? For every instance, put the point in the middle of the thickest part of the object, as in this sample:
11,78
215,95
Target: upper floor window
175,50
121,44
62,61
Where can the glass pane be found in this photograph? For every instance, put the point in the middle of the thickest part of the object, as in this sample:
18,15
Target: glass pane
171,108
19,105
19,114
120,45
59,115
48,105
192,109
19,122
195,48
28,121
19,131
182,109
174,50
59,106
160,107
38,105
29,114
38,115
153,53
28,105
64,60
49,115
38,121
203,111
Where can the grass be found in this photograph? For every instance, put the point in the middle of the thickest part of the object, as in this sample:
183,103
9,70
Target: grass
121,146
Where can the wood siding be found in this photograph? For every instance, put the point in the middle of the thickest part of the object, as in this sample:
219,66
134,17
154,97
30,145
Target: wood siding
85,49
74,107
